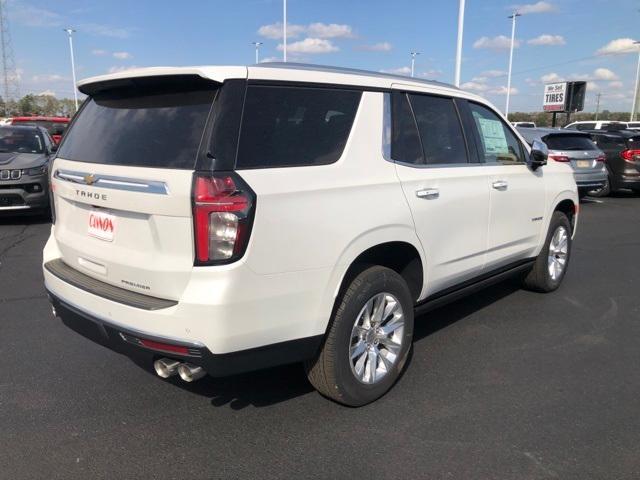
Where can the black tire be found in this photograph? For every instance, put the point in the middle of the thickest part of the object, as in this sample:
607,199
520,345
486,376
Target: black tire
601,192
539,279
331,371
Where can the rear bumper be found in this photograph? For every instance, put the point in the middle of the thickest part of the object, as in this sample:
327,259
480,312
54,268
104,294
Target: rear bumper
588,181
29,193
133,344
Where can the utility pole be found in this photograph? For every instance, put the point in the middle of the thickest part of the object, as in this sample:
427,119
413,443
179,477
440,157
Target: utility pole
70,32
9,74
257,45
598,105
284,30
413,61
456,78
635,92
513,37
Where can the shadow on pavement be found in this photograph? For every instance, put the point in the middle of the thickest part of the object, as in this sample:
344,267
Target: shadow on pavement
24,219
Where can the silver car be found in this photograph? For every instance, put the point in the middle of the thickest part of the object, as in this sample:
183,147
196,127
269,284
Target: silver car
576,149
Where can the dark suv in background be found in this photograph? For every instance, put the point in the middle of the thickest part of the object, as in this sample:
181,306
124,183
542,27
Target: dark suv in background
622,150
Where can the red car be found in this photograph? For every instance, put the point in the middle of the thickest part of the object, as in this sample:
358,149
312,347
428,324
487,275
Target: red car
55,125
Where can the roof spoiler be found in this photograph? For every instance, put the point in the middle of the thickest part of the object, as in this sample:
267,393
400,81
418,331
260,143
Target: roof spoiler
186,81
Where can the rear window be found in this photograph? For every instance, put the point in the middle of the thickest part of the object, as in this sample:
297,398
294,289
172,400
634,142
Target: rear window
295,126
569,142
140,127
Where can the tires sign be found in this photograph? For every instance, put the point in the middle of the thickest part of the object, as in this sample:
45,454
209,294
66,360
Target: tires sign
555,97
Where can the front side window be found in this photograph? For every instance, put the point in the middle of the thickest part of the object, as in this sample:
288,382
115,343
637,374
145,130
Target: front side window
497,142
440,130
295,126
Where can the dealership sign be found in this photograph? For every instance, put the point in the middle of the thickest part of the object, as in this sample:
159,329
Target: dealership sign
555,97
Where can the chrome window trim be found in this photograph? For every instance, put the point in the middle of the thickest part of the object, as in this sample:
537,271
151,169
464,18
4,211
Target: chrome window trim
115,183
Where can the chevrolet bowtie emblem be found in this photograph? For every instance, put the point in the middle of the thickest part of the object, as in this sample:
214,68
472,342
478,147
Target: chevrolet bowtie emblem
90,179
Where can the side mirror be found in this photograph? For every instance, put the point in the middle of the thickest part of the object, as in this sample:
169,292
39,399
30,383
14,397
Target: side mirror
53,148
539,154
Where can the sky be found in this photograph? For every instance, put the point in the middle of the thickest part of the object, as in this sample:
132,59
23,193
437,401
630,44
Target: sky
556,40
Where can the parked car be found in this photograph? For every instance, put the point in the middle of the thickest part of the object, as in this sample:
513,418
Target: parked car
54,125
237,218
596,125
633,125
24,159
575,149
622,149
524,124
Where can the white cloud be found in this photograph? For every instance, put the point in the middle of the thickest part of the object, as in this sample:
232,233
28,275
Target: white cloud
377,47
497,43
593,86
480,79
104,30
538,7
332,30
432,73
310,45
122,55
48,77
99,52
618,46
274,31
551,78
270,59
493,73
617,84
474,86
548,40
47,93
33,16
604,74
397,71
502,90
121,68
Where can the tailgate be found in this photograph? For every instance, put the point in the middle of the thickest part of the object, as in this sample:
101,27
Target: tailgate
128,226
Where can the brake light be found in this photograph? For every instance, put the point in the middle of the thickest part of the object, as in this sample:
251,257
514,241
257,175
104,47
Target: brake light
559,158
630,155
223,206
601,158
52,197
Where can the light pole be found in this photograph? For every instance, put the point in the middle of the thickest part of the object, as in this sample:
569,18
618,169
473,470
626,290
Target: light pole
513,38
284,29
598,105
635,93
70,32
456,78
257,45
413,61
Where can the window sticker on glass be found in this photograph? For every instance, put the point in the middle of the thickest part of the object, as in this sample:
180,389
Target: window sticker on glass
495,141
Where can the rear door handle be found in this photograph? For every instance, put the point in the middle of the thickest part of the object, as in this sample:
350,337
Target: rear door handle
428,193
500,184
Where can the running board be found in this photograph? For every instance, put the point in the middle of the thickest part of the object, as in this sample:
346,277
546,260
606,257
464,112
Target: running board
470,286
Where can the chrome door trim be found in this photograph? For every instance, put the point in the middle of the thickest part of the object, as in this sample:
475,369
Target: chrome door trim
116,183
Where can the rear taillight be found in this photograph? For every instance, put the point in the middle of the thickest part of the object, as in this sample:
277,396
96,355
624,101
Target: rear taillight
223,207
630,155
601,158
52,200
559,158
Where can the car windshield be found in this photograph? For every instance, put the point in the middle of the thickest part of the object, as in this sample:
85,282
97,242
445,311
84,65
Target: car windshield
20,140
569,142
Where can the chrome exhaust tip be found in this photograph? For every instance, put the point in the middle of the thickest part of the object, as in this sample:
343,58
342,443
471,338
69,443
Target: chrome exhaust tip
165,367
190,373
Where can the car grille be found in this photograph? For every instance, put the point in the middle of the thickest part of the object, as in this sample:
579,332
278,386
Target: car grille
10,174
11,200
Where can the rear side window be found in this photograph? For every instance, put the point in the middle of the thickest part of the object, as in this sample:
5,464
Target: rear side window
569,142
138,127
295,126
497,142
405,139
584,126
440,130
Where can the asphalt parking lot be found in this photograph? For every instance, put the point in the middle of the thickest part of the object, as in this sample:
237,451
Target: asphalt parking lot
505,384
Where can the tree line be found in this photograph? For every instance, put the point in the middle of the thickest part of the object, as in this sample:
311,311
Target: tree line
31,104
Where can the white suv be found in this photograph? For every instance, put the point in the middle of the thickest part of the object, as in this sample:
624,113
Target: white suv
224,219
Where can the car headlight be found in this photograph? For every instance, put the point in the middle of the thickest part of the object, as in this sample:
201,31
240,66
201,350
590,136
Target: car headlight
42,169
